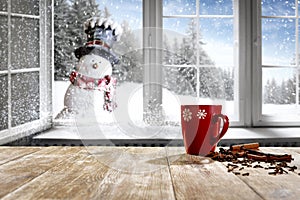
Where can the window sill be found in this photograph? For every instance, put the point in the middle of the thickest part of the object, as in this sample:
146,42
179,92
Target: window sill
275,136
265,136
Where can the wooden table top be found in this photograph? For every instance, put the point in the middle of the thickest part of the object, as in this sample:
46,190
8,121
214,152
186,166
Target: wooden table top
136,173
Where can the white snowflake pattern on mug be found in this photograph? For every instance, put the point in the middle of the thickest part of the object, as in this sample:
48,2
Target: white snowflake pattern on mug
187,115
201,114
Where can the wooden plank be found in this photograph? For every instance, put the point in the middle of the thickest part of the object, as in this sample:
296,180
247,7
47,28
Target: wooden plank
196,177
11,153
283,186
74,178
139,173
293,149
16,173
104,173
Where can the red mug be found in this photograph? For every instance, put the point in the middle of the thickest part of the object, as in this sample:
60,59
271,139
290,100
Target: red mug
201,127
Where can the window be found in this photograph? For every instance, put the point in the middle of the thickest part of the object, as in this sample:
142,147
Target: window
69,18
25,68
277,63
201,58
207,52
241,54
248,47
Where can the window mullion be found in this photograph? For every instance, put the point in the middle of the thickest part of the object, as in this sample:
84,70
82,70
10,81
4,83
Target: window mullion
297,53
198,50
43,68
9,64
152,45
243,73
256,63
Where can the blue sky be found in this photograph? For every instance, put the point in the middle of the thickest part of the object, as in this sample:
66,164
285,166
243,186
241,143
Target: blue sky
129,10
278,38
278,7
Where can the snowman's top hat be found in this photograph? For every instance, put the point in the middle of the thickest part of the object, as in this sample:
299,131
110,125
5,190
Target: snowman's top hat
99,35
100,40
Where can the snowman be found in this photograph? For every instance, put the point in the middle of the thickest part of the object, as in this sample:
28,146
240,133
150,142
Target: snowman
92,74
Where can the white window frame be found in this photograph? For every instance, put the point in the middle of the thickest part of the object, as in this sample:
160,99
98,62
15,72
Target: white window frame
249,74
45,74
248,91
153,15
258,119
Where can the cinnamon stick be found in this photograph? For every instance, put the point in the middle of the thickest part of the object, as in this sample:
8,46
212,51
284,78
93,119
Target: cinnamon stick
270,157
244,155
244,146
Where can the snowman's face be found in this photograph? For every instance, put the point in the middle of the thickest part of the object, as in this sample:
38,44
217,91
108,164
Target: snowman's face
94,66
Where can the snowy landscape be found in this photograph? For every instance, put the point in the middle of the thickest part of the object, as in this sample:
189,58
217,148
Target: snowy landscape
183,47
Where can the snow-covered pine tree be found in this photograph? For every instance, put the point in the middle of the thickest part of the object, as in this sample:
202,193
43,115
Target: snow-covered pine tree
62,49
287,91
187,79
167,54
170,74
271,91
81,10
175,52
291,90
211,85
131,67
228,79
69,35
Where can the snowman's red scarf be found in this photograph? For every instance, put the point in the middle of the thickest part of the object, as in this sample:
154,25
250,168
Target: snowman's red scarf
107,84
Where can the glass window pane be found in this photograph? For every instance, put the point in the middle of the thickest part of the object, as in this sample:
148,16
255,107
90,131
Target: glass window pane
211,83
278,7
217,41
176,26
171,43
278,41
179,7
181,80
3,42
25,43
179,44
129,12
3,102
25,7
25,98
213,7
180,36
217,87
279,91
129,72
3,5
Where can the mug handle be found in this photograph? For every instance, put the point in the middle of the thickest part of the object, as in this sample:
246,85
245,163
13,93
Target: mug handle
225,126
